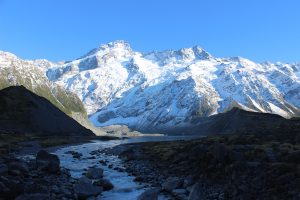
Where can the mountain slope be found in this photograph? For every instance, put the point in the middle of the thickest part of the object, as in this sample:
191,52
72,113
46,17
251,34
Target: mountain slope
158,90
15,71
22,111
31,74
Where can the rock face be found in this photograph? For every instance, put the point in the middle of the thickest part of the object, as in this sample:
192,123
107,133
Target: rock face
22,111
158,90
48,162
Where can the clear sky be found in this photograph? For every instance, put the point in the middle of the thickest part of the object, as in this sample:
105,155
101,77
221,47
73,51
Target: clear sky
66,29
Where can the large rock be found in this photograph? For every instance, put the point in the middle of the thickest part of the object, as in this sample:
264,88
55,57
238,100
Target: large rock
94,173
48,162
105,184
151,194
84,188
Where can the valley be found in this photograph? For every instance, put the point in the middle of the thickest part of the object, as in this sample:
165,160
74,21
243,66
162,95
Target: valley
149,100
172,125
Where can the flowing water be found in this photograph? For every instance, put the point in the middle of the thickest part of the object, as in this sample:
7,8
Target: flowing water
124,185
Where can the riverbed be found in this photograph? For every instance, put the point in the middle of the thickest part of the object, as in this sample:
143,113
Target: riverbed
124,185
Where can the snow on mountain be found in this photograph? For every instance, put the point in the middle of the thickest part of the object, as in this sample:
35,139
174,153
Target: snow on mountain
31,74
157,90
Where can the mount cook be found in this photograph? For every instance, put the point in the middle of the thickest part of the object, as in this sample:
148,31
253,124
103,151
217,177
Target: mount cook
152,92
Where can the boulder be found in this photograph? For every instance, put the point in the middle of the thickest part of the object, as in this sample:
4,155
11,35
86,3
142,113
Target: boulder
84,188
151,194
105,184
48,162
94,173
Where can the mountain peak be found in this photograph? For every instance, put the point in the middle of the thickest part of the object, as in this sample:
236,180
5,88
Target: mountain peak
201,53
120,45
4,54
195,52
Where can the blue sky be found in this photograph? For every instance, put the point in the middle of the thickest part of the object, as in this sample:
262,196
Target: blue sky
66,29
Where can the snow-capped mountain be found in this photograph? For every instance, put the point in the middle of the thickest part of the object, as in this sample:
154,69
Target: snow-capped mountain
15,71
31,74
157,90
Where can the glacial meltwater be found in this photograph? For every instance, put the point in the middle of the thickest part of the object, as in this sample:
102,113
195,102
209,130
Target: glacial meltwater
124,185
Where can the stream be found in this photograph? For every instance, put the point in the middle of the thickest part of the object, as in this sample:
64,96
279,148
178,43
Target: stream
124,185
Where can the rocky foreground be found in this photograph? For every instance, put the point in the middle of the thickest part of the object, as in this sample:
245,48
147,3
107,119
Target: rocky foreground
218,167
42,178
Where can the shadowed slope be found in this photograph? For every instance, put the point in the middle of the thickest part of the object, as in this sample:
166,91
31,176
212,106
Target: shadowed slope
22,111
241,122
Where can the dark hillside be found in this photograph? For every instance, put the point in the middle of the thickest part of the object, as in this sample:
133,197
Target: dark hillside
24,112
240,122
